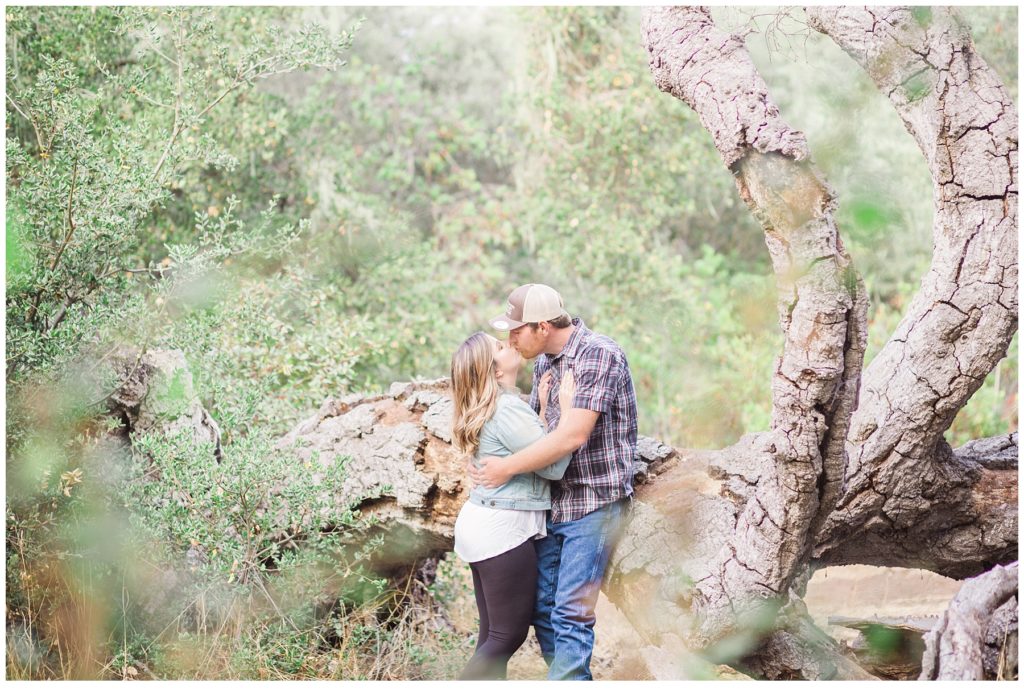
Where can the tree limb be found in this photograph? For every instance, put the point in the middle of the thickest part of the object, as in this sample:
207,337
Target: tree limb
822,309
954,648
178,99
39,137
70,225
968,525
960,323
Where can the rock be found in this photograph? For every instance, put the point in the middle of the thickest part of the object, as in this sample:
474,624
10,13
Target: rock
889,647
156,392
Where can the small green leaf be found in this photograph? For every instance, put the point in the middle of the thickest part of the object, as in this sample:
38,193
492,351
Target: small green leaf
922,15
916,88
869,216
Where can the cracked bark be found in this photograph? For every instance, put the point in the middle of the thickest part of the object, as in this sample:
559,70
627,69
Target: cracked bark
829,484
822,308
902,475
977,635
960,519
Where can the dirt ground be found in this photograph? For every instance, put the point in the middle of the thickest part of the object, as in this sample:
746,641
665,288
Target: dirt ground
860,591
853,591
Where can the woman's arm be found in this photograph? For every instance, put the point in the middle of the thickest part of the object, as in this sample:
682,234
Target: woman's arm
542,397
572,432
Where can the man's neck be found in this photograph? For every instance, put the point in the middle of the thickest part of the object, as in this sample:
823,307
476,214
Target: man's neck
558,339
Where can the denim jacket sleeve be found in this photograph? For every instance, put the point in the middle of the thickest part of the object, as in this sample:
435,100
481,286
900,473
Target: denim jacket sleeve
556,469
518,427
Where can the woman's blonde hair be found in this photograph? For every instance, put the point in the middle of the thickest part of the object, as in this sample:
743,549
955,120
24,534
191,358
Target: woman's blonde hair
475,390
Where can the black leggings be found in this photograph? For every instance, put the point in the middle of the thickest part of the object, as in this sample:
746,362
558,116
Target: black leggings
506,589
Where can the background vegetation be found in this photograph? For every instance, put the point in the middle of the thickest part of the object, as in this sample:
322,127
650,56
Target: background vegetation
312,202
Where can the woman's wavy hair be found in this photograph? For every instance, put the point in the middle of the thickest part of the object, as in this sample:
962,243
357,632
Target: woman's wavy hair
475,390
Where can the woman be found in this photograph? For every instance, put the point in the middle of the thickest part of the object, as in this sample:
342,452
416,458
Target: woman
495,529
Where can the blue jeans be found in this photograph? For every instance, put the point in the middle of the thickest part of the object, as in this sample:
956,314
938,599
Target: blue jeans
571,561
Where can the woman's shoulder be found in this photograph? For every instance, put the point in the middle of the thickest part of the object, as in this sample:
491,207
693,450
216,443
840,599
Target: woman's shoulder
511,400
513,426
509,409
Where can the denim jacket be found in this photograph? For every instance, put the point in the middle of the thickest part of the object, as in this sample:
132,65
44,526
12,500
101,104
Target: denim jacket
515,426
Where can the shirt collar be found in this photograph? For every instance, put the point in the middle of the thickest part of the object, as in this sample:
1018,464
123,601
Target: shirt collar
576,339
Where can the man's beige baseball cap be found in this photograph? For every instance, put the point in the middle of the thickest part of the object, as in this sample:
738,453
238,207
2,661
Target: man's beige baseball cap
529,303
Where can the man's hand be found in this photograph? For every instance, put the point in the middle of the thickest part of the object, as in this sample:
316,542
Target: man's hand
491,474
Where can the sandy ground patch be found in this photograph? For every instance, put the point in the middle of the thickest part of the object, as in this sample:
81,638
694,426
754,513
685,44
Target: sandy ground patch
862,591
853,591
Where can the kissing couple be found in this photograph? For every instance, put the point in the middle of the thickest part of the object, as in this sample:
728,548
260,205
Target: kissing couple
552,479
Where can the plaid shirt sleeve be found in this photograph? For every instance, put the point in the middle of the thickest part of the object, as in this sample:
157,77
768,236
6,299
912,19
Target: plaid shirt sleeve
597,374
601,471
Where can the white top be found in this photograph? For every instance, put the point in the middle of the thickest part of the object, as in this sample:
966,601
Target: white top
484,532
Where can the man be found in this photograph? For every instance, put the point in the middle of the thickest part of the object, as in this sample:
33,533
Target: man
590,503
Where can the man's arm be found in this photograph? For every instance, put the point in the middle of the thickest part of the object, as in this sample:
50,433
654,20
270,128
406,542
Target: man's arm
572,432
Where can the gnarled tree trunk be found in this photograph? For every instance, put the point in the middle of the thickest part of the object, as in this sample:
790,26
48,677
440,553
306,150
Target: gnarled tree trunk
904,483
868,481
822,310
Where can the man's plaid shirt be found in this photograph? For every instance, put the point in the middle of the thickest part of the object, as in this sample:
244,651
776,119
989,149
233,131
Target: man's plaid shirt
601,471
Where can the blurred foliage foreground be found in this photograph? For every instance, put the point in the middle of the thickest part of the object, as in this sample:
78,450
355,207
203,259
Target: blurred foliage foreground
306,204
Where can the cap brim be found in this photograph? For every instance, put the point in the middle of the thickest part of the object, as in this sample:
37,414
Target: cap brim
504,324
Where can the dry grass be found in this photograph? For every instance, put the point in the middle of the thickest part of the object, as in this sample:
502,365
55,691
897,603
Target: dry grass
402,634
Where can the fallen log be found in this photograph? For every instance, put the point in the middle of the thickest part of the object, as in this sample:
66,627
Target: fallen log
401,468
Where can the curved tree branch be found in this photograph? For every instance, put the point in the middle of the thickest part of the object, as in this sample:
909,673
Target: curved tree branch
960,323
955,648
822,308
